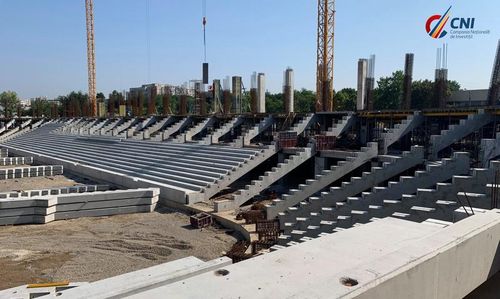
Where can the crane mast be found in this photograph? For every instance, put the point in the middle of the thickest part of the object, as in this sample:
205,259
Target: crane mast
325,55
89,8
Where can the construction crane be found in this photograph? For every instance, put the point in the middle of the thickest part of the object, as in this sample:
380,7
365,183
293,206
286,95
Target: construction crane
89,8
324,71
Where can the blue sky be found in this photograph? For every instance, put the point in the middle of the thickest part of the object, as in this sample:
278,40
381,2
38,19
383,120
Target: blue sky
43,42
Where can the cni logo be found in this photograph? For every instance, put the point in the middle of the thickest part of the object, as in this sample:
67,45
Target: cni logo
437,30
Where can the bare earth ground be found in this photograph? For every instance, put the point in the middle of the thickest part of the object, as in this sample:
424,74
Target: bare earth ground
89,249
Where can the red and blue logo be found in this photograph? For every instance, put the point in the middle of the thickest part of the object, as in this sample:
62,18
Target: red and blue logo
436,29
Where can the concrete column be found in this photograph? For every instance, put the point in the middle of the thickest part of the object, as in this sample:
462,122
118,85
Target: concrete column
261,93
362,73
319,164
288,88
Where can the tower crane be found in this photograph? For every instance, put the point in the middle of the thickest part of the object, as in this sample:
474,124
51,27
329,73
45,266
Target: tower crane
325,55
89,9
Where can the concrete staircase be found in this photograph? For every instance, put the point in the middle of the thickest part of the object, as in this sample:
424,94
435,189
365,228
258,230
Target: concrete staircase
97,128
265,181
321,181
441,201
121,130
85,130
223,130
303,124
455,133
388,167
246,138
171,130
136,130
343,125
401,129
110,126
160,125
489,150
395,203
197,129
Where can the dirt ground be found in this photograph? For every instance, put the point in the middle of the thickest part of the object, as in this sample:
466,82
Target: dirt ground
89,249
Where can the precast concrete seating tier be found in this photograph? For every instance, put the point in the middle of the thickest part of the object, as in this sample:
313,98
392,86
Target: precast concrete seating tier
341,126
54,191
171,130
27,291
131,283
29,172
386,258
18,132
33,210
195,130
303,124
187,173
265,181
396,203
8,161
223,130
4,152
321,181
455,133
406,126
246,138
387,168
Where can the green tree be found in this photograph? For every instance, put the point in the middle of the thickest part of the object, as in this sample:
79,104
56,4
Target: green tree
389,91
452,87
100,96
422,92
75,104
40,107
304,101
345,99
9,102
274,103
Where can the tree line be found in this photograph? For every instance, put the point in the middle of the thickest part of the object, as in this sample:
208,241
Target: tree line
386,96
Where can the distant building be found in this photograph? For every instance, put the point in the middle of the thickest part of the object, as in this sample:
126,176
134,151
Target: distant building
156,88
468,98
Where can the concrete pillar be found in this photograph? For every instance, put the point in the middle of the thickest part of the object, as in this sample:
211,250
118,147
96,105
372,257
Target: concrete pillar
217,95
407,81
183,105
166,104
261,93
319,164
237,95
362,73
253,93
288,91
